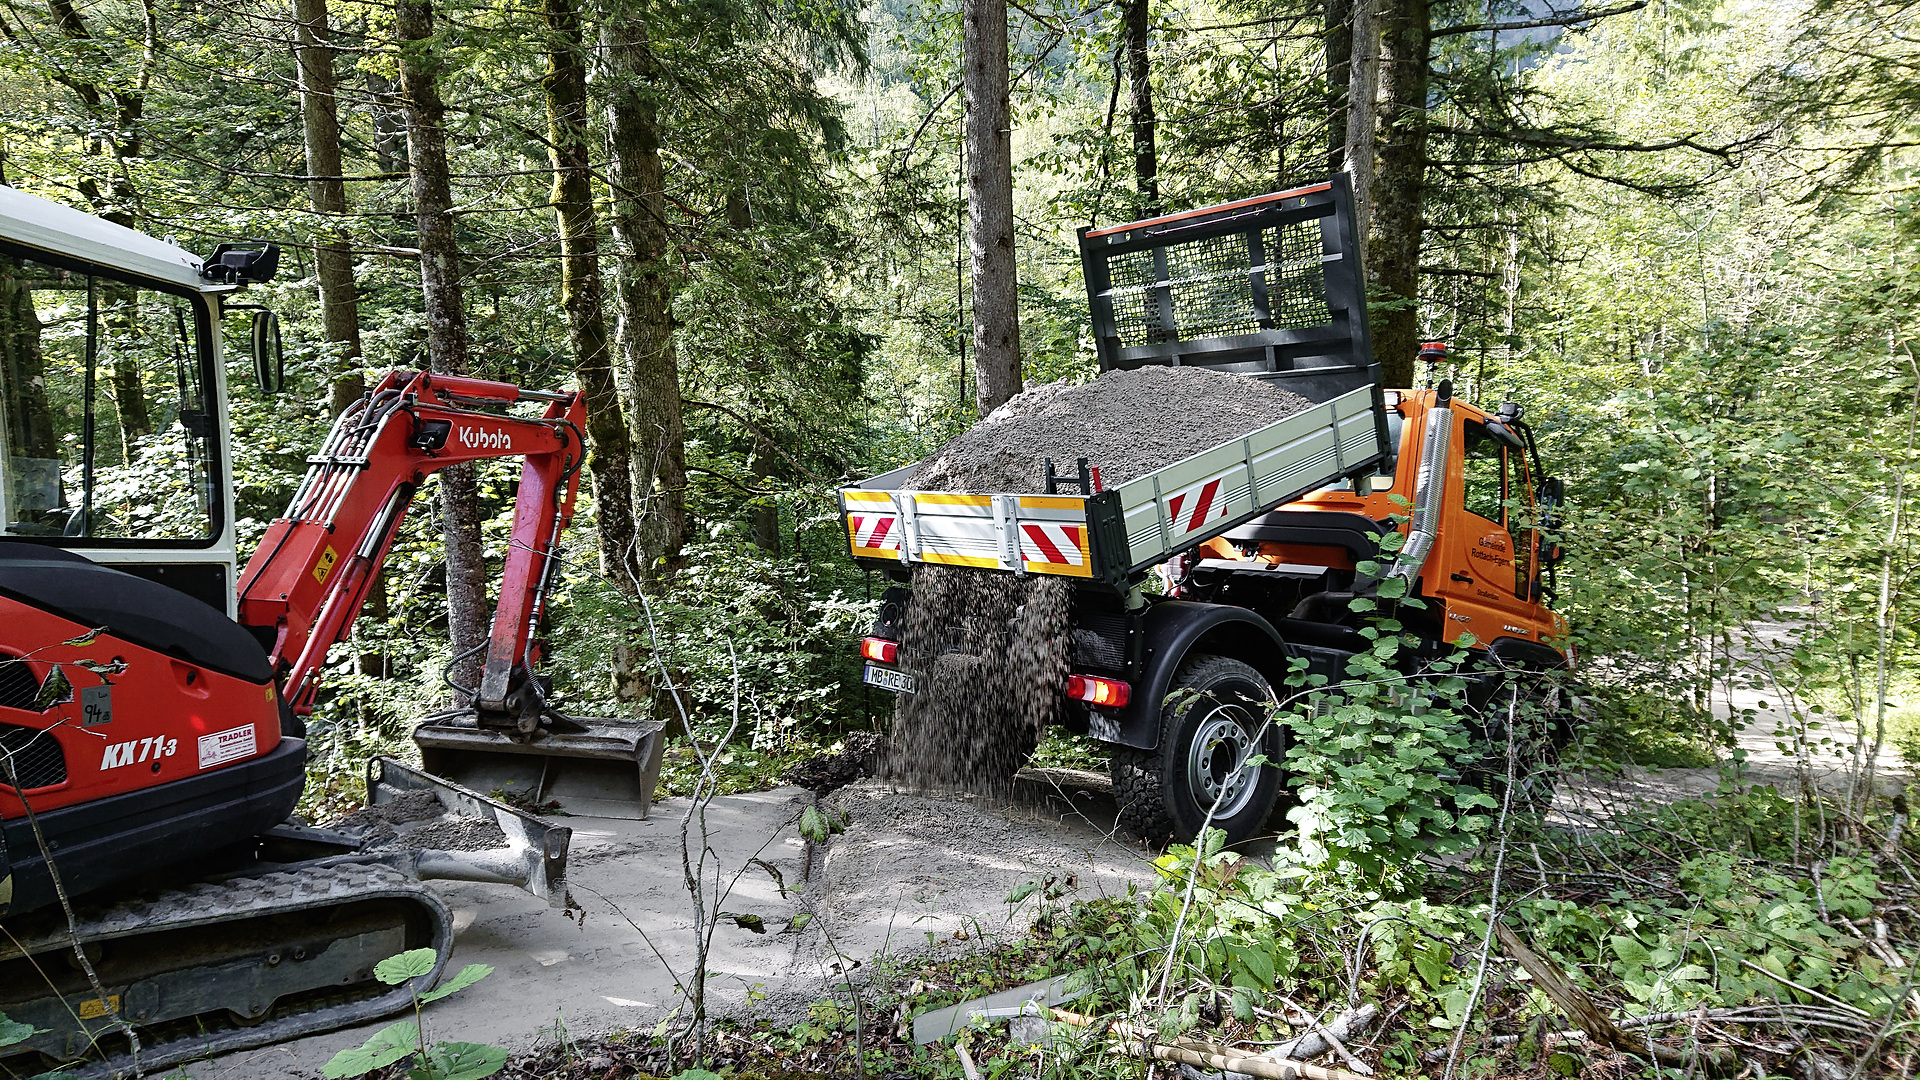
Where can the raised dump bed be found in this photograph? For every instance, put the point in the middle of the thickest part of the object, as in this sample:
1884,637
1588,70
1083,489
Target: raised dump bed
1109,536
1268,288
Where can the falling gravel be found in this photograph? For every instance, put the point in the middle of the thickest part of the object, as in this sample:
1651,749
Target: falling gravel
1126,423
989,651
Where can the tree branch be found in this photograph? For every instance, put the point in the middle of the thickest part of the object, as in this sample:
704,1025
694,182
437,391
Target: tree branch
1569,18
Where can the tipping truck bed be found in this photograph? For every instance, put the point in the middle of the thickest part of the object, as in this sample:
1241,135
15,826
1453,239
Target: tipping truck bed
1267,287
1111,536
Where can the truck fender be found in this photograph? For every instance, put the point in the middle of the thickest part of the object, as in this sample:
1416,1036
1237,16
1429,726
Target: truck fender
1171,630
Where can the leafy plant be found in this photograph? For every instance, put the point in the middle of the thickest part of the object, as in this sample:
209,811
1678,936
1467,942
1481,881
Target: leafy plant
396,1042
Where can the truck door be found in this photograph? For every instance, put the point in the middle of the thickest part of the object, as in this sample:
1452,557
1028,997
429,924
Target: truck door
1484,570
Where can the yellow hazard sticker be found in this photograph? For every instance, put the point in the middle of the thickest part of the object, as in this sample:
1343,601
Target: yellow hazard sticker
325,566
94,1008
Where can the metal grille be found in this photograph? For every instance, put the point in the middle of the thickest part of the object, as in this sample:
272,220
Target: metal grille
30,758
18,687
1212,289
1296,278
1136,302
1211,286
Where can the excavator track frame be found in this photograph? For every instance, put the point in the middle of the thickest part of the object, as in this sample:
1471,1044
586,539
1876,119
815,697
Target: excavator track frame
86,1041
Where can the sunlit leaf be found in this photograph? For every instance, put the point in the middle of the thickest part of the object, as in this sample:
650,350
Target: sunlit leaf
387,1046
411,964
468,975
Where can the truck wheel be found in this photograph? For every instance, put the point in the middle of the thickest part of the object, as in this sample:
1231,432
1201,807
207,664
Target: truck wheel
1218,710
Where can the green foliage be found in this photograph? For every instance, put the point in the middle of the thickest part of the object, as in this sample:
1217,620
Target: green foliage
383,1048
13,1031
407,1039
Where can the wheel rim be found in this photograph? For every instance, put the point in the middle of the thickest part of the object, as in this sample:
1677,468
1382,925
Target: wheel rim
1223,741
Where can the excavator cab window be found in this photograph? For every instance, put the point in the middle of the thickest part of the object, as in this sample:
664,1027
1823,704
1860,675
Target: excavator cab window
106,431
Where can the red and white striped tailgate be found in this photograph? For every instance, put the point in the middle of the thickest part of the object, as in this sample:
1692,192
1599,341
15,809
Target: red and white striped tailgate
874,534
1061,549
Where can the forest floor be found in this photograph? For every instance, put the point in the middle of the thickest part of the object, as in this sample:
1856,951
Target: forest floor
910,876
912,883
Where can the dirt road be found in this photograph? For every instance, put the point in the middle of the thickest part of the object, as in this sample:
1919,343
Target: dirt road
908,874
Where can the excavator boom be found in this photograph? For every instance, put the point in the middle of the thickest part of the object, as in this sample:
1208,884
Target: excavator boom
311,574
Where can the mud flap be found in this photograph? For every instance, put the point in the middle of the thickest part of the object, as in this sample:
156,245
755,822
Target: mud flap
608,769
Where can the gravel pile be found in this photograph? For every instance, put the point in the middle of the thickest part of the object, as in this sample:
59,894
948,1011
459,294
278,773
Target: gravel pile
1128,423
415,820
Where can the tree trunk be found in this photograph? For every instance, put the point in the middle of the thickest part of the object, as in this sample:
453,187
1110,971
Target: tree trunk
645,337
1399,189
1338,50
989,149
582,295
1363,96
447,345
327,192
1146,165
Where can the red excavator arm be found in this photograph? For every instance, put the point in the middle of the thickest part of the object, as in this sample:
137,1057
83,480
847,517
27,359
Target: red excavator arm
311,573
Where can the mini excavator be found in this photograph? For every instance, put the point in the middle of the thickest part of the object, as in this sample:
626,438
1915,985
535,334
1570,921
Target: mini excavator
158,903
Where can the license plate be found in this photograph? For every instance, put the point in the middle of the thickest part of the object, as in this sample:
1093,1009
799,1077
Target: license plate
888,679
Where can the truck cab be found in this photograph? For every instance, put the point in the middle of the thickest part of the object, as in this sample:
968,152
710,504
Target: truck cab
1487,580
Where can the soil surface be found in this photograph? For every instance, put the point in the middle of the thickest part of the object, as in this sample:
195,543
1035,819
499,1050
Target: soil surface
1125,423
911,873
831,771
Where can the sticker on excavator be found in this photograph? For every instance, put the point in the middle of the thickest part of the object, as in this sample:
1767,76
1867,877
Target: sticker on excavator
94,1008
224,746
325,566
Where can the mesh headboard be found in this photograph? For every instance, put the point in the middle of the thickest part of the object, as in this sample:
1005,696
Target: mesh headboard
1269,286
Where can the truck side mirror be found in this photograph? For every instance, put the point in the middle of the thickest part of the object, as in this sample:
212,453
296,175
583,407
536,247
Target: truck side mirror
269,361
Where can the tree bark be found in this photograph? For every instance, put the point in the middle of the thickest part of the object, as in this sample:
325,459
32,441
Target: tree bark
1363,95
989,149
447,344
327,193
1399,188
644,339
1338,51
1146,164
582,294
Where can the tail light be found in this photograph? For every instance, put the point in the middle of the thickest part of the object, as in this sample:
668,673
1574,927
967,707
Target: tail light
1095,690
880,650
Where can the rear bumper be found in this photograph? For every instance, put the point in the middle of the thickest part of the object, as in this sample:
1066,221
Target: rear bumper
108,840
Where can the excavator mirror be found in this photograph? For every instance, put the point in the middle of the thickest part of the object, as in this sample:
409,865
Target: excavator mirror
269,361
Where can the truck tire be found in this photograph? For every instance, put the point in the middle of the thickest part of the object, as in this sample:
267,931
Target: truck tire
1217,708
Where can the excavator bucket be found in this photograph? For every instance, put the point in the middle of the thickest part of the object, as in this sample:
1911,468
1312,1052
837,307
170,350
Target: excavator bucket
609,768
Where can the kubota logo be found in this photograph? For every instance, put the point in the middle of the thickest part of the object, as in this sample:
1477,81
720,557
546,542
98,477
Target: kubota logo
476,439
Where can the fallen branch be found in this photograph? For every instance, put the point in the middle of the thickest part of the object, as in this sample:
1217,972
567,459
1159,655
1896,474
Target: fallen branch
1141,1043
1581,1009
1316,1042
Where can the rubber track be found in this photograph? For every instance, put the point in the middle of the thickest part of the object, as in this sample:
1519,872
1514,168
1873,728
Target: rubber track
235,899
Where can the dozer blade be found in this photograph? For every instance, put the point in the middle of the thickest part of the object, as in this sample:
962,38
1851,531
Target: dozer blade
609,769
533,858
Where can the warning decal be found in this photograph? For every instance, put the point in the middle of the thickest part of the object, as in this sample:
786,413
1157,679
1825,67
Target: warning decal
224,746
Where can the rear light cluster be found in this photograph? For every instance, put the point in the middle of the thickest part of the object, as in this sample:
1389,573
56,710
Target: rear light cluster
1095,690
880,650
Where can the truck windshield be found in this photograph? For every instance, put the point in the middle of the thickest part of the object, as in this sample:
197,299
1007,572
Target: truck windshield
105,427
